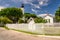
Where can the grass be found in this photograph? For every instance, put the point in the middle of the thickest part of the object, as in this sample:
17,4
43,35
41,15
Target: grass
51,30
6,27
3,25
52,34
34,33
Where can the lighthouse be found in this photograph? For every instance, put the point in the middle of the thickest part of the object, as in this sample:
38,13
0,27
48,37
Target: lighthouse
22,8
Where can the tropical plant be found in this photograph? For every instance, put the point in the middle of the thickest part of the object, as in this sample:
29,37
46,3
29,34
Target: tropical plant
57,15
12,13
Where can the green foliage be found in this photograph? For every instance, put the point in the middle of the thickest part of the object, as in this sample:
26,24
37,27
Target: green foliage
39,20
33,16
12,13
36,19
6,28
20,21
5,20
28,32
57,15
28,15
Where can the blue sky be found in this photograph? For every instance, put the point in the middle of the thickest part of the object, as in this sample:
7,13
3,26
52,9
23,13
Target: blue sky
33,6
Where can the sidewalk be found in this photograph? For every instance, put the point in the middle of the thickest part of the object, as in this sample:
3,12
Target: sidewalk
14,35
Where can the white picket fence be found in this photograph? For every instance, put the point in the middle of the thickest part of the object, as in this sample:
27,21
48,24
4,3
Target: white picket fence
41,28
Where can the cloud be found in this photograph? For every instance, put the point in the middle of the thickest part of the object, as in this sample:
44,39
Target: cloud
23,1
15,0
42,15
34,5
32,2
40,2
43,2
37,6
1,7
34,10
7,5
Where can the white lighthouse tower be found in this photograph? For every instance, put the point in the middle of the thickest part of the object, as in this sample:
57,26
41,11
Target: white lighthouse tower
22,8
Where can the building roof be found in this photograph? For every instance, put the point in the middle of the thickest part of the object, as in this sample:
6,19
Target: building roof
44,15
30,19
48,15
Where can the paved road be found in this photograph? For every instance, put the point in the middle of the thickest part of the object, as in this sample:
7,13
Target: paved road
14,35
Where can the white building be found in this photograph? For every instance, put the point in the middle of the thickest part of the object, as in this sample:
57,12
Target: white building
47,17
31,24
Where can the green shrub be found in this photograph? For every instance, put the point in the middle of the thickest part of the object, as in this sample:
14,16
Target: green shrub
20,21
6,28
5,20
39,20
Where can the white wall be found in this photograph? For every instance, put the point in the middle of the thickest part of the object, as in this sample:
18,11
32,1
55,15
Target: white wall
26,27
48,17
39,28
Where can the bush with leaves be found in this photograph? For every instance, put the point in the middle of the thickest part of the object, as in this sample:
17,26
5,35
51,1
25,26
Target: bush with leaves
5,20
39,20
12,13
57,15
20,21
28,15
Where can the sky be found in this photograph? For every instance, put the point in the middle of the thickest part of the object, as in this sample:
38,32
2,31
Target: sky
33,6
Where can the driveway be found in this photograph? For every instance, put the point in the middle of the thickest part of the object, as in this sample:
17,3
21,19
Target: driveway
14,35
